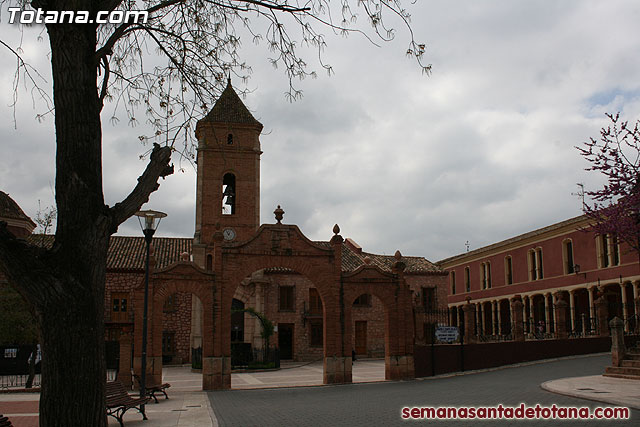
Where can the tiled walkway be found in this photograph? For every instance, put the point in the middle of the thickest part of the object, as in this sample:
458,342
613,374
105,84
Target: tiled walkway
297,374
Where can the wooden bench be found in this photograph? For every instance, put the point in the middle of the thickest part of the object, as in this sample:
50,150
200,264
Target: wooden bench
119,401
5,422
152,389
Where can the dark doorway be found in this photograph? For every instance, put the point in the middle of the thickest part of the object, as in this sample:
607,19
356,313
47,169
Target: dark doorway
237,321
285,340
361,337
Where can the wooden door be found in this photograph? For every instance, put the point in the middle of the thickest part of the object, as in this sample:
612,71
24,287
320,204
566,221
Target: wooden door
361,337
285,340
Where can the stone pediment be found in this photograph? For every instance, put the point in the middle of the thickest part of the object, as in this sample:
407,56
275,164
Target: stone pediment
368,273
279,239
181,269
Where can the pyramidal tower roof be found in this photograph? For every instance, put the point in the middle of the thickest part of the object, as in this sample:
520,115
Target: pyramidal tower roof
229,108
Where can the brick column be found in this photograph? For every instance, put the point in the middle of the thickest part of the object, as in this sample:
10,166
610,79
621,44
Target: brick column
337,350
517,326
617,341
124,367
561,318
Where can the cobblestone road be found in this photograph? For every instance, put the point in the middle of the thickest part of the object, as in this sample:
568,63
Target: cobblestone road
381,403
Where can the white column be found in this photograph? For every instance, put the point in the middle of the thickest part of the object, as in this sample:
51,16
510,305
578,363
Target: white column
547,329
625,308
532,317
592,309
525,320
481,319
635,291
499,317
493,317
572,308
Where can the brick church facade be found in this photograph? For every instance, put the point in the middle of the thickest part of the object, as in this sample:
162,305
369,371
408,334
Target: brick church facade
325,298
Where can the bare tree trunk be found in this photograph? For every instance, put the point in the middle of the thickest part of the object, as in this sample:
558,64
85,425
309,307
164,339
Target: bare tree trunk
66,283
71,318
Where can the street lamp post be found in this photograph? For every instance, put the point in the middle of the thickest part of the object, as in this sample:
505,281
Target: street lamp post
149,221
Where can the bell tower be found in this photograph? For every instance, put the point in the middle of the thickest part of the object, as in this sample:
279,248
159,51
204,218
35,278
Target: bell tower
228,178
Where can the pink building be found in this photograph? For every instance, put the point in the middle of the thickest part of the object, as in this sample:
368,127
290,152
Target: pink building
561,274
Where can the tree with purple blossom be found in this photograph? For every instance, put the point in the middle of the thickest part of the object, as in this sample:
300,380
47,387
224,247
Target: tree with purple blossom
616,206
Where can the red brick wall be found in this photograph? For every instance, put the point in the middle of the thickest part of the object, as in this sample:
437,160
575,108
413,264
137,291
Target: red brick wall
121,283
374,316
178,321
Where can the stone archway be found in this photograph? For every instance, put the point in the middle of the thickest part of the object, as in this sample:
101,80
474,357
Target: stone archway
282,246
395,295
185,277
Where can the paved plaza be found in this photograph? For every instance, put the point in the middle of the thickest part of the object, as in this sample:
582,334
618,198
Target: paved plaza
381,403
293,396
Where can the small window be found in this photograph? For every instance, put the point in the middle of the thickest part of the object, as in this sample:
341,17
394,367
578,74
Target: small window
363,300
209,262
316,334
602,245
286,298
168,343
539,263
429,298
230,139
170,304
533,270
467,279
452,277
485,275
508,270
615,250
567,256
229,194
119,306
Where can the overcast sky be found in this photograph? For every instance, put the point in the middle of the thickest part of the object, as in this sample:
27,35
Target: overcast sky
479,151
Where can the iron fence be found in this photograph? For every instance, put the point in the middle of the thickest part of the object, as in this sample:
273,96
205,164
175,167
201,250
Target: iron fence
17,381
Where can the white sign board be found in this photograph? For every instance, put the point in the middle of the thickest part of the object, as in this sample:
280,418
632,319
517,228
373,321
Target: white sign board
447,334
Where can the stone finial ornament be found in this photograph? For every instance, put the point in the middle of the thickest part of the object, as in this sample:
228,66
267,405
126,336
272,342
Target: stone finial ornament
397,255
279,213
367,260
184,256
336,229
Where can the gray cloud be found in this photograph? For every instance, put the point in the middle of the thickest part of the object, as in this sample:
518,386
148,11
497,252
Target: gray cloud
481,150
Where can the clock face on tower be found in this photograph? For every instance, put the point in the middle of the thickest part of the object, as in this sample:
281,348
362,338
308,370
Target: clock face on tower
229,234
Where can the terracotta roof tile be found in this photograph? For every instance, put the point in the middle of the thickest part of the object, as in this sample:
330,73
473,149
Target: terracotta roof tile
128,252
11,210
351,260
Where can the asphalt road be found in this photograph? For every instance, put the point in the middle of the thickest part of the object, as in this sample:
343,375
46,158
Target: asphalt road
382,403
